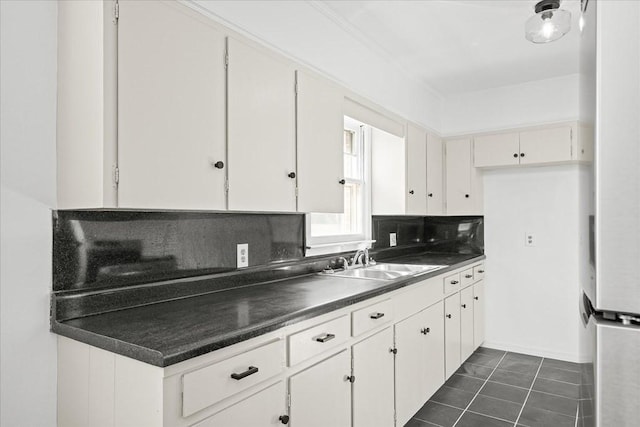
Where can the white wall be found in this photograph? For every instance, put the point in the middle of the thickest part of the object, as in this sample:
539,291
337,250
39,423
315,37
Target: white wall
532,103
307,32
28,119
532,292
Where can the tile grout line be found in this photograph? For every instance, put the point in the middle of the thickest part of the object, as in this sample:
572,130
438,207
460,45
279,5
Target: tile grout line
529,393
478,392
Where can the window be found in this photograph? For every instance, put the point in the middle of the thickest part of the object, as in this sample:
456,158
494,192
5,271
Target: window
333,231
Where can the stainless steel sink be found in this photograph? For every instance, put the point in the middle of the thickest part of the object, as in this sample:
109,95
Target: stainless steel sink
385,271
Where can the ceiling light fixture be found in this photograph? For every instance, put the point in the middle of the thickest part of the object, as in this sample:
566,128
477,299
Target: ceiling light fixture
549,23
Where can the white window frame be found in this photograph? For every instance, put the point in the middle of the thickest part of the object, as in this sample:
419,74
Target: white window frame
321,245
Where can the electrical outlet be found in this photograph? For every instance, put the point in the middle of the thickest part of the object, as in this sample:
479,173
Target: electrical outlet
392,239
529,239
242,259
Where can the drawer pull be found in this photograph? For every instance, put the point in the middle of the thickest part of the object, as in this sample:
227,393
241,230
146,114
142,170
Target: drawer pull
250,371
448,316
425,331
454,282
324,338
376,316
468,276
480,271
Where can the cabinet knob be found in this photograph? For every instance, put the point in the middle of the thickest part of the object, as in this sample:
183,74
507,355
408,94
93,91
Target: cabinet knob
342,181
521,154
515,155
218,164
411,192
466,196
393,350
464,305
448,316
425,331
476,298
284,419
430,194
350,378
291,175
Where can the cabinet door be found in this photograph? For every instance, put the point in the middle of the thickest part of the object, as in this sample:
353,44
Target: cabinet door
546,145
171,108
478,314
388,173
411,368
435,187
466,323
458,172
261,130
321,394
496,150
373,387
452,333
262,409
434,342
320,129
416,171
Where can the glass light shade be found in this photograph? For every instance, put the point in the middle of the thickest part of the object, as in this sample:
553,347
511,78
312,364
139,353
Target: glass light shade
547,25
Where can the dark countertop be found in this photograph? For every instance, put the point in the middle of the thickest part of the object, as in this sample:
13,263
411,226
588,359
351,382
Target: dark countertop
166,333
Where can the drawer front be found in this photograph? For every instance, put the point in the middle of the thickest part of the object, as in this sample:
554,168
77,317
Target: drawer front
315,340
417,297
466,278
209,385
478,272
371,317
451,283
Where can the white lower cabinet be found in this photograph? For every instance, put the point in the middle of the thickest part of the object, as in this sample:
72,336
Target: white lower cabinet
466,323
371,364
478,314
265,408
321,395
373,380
452,333
419,360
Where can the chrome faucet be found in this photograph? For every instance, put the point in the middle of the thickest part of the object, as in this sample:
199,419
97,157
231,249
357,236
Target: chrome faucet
364,253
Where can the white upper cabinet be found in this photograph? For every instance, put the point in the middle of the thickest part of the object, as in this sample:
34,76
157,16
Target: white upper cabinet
388,173
538,146
435,188
546,145
496,150
464,182
171,108
416,171
320,130
261,130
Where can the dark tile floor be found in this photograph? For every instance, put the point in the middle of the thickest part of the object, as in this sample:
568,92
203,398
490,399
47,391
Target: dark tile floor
498,388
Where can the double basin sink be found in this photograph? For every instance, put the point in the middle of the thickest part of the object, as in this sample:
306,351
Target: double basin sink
385,271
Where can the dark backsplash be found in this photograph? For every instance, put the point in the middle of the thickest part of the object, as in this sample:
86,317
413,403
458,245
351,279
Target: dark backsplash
446,234
102,249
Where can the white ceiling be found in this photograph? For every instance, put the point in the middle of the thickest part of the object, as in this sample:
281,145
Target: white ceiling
457,46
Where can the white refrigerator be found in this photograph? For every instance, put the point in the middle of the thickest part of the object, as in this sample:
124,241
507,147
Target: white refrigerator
610,302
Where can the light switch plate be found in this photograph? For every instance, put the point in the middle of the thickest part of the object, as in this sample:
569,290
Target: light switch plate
242,259
392,239
529,239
